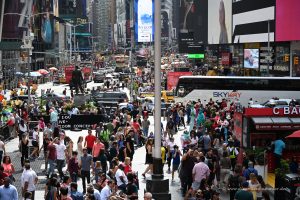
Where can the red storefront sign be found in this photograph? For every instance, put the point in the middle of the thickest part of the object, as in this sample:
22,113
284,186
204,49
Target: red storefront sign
273,112
173,78
226,58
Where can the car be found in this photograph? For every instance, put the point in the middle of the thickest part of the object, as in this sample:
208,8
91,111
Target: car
278,103
111,99
99,77
56,97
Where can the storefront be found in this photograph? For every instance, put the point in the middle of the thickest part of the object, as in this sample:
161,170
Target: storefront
261,126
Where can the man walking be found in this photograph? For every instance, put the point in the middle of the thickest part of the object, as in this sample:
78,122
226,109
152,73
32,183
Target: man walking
86,164
200,171
8,191
29,180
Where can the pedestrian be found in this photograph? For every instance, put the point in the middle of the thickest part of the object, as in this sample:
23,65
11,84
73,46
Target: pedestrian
105,135
244,193
53,118
73,166
145,126
279,146
61,153
64,191
8,167
22,127
233,153
176,160
170,147
8,191
75,194
23,146
225,165
86,164
2,149
249,170
200,171
234,182
107,190
149,158
35,144
80,146
129,145
96,149
51,192
121,178
29,180
89,141
254,185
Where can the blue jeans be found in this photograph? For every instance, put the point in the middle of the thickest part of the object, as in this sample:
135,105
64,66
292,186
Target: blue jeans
146,131
60,165
53,125
51,166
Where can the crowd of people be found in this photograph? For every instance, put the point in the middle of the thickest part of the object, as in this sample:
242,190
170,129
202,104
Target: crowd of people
205,160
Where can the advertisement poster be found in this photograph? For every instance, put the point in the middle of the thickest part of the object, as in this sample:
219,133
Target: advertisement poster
68,73
219,21
13,24
251,58
250,19
192,25
144,20
287,18
173,78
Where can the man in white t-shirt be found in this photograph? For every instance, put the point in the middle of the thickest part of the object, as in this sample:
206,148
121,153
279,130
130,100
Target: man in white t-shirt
29,180
61,152
121,178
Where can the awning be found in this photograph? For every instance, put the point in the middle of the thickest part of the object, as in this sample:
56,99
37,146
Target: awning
276,123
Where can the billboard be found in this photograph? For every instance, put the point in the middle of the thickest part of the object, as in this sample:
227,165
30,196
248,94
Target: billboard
251,58
250,19
144,19
192,25
219,21
164,23
287,20
14,25
173,77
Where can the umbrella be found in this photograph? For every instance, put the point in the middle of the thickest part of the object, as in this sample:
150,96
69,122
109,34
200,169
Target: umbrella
295,134
33,74
43,71
53,69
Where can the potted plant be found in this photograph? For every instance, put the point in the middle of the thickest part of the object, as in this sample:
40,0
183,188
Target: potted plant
280,181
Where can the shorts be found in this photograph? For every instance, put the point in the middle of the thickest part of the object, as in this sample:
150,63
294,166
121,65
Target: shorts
35,144
175,167
195,185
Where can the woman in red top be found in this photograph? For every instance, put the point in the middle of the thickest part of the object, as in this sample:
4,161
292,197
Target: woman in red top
8,167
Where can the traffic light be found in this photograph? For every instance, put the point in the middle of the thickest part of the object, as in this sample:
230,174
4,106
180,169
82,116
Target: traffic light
296,60
286,58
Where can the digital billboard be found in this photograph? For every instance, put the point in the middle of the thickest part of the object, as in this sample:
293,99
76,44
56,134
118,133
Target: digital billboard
219,21
144,20
192,25
287,20
251,58
250,20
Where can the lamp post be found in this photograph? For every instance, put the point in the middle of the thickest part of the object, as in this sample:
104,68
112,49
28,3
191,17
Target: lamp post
157,185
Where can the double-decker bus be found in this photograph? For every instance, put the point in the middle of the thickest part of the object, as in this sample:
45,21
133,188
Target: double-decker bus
241,89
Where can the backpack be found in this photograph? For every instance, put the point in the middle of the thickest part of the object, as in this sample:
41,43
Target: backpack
234,182
232,153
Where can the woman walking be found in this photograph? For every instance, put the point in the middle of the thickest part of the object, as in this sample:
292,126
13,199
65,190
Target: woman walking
149,158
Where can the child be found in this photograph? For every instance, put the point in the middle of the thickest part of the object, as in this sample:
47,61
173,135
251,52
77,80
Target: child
98,170
176,160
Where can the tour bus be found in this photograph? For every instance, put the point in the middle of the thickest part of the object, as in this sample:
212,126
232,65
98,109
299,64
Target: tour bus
240,89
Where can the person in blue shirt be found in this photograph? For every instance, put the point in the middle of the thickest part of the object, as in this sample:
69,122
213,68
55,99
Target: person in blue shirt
279,145
8,191
75,195
176,160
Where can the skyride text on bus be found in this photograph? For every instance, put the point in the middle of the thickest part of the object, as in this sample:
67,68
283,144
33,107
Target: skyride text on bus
227,94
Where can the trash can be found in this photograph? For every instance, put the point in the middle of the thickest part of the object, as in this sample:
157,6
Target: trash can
292,187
